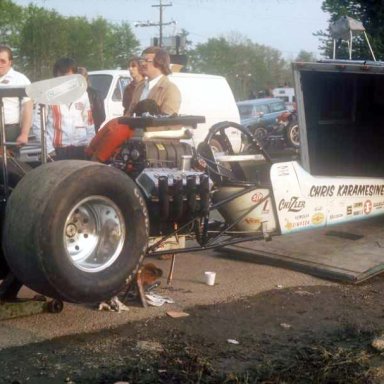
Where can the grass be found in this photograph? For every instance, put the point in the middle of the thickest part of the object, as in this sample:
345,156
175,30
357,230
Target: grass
343,358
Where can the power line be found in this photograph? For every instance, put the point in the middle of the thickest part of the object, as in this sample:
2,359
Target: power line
160,24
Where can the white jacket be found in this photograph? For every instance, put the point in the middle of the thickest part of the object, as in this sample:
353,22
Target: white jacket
67,124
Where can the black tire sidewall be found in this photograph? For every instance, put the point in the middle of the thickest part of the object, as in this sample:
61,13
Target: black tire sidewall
15,174
263,130
71,283
216,143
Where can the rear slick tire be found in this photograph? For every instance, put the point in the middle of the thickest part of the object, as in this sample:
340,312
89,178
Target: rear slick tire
75,230
16,171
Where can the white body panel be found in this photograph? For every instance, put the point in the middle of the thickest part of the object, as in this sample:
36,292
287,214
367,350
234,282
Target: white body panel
304,201
259,198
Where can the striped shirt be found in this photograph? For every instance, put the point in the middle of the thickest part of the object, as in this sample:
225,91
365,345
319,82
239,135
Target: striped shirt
70,124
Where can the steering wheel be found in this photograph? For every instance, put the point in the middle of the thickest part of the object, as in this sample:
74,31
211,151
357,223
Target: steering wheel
218,131
219,172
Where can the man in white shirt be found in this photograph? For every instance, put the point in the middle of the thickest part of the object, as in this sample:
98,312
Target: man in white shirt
69,127
17,113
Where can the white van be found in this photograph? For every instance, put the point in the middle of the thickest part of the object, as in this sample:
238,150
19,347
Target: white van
287,95
111,85
206,95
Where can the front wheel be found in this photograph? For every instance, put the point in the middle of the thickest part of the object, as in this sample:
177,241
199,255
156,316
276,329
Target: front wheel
260,134
216,145
75,230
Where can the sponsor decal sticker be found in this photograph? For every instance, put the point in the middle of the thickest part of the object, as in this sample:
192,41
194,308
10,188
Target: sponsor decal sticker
294,205
367,207
257,197
266,207
296,224
317,218
349,210
252,221
378,205
301,217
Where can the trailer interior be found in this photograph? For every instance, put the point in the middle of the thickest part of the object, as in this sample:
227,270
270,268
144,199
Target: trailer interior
343,118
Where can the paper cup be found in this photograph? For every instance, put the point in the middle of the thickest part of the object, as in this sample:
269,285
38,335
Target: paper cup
210,278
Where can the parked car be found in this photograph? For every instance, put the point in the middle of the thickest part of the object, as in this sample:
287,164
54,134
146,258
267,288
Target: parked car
289,124
259,116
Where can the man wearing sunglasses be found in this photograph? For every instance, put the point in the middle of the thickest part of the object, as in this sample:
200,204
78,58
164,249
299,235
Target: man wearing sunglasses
155,67
157,88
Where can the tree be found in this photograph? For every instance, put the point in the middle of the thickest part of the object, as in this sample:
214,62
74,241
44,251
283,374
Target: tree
370,13
12,16
305,56
123,45
247,66
43,36
43,39
79,41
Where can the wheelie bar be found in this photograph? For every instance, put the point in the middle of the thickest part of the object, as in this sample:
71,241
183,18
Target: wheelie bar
12,307
28,307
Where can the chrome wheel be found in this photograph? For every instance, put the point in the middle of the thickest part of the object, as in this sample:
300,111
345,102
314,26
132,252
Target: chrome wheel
94,234
294,135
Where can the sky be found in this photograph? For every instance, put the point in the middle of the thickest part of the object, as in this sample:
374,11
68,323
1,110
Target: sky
286,25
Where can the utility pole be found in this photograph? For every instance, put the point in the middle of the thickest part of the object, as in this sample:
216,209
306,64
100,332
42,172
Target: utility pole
160,6
160,24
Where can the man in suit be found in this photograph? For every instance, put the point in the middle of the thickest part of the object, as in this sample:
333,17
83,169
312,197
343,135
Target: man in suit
155,66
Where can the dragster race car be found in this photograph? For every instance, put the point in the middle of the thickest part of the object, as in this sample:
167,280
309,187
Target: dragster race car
79,230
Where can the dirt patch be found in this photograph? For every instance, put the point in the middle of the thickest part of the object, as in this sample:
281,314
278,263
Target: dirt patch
312,334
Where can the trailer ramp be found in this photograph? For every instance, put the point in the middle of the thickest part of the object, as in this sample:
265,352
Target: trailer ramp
352,252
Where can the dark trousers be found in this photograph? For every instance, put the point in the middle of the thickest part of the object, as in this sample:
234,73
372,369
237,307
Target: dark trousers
70,152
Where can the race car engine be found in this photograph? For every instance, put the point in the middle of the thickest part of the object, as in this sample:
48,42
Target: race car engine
175,192
137,154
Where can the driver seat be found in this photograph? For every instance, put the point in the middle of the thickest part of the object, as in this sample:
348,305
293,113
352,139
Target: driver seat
219,174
